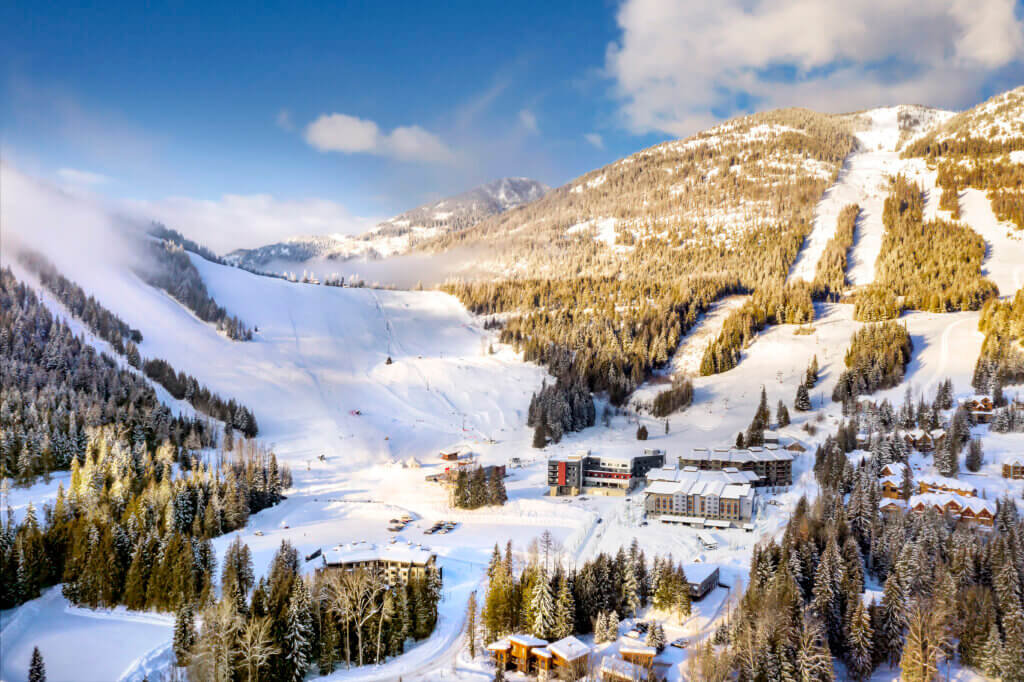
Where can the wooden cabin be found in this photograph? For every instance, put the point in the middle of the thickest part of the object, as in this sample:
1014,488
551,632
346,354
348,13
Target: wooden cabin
1014,468
891,487
570,658
617,670
638,654
516,652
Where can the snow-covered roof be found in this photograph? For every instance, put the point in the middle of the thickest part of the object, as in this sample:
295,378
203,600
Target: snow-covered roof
733,485
359,551
939,500
946,482
894,468
527,640
543,652
742,456
622,669
698,573
501,645
628,647
569,648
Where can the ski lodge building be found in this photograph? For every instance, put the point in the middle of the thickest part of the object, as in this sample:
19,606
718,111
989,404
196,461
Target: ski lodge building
690,496
586,473
773,467
398,562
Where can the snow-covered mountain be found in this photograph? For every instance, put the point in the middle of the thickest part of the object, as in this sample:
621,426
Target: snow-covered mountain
398,234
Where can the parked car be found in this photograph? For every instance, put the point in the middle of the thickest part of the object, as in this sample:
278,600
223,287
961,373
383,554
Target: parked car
680,643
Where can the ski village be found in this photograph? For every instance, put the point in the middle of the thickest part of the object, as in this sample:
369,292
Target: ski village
745,405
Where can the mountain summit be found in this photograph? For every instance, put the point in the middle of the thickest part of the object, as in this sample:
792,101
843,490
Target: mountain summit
400,233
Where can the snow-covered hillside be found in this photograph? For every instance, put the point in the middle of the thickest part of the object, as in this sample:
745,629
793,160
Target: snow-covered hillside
395,235
864,180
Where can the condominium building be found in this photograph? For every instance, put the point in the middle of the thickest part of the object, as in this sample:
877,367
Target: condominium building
584,472
773,466
398,561
710,497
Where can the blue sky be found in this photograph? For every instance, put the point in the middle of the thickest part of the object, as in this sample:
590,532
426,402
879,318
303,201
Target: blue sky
211,113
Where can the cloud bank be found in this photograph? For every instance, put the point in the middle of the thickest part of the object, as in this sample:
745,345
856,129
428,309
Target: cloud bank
353,135
246,221
681,66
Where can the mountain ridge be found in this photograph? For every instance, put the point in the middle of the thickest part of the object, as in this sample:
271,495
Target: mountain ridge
400,233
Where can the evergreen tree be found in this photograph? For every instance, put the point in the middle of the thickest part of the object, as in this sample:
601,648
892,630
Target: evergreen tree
803,400
497,495
813,659
890,635
655,636
812,373
860,658
542,606
565,610
907,486
184,634
992,653
299,635
471,624
782,414
1012,662
641,432
36,669
540,435
975,456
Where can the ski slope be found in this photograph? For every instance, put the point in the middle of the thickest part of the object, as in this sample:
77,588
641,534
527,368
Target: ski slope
863,180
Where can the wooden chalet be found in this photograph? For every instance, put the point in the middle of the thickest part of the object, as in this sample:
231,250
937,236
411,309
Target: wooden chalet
891,487
981,409
925,441
567,659
638,654
1014,468
615,669
516,652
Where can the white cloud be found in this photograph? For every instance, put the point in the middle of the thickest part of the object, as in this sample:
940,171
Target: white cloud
594,139
353,135
528,120
678,62
246,221
82,178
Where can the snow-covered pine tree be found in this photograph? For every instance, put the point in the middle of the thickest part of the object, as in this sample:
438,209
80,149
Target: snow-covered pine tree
471,624
975,455
612,625
813,659
907,486
184,634
600,627
36,668
542,607
299,634
631,589
565,610
655,636
803,399
782,414
890,636
992,652
860,658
